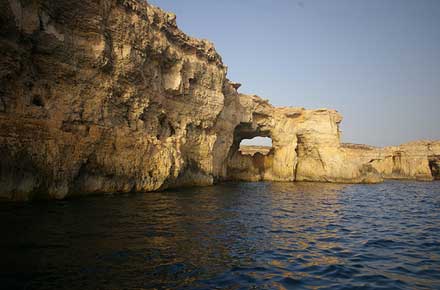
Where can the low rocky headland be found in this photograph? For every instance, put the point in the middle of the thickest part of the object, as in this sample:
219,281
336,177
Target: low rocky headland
110,96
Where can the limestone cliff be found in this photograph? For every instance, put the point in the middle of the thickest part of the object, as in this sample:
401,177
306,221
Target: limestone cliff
110,96
307,147
103,96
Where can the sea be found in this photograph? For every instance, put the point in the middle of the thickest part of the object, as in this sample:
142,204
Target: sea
236,235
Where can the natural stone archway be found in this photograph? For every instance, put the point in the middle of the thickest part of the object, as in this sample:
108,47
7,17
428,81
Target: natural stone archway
280,163
256,145
245,166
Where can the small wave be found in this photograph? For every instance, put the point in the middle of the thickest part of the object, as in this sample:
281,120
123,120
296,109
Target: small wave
338,271
290,282
384,243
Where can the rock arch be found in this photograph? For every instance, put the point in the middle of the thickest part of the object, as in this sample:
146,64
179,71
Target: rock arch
280,163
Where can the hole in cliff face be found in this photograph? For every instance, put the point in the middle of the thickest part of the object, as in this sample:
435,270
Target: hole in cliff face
165,129
250,154
434,165
2,103
246,135
37,100
263,162
258,144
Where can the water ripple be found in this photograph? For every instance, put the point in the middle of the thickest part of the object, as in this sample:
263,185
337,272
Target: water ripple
229,236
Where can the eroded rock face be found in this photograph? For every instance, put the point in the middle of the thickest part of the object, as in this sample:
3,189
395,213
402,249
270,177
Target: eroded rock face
414,160
110,96
314,151
325,159
103,96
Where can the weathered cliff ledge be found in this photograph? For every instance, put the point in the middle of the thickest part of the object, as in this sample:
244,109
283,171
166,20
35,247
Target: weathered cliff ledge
110,96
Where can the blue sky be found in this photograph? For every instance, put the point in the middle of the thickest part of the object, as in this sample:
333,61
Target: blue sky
375,61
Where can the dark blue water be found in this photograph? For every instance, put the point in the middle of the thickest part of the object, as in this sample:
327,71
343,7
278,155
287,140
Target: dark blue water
229,236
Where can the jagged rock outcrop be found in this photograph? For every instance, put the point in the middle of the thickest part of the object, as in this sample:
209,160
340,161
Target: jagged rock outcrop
307,147
110,96
415,160
103,96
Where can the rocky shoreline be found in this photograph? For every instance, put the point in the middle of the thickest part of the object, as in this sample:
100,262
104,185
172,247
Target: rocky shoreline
110,96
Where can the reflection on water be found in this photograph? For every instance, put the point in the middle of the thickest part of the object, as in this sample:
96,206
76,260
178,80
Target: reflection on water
233,235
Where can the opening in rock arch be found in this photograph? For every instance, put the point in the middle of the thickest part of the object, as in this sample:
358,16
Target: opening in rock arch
262,145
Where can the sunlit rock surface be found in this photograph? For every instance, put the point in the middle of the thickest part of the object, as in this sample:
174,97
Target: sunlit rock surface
103,96
110,96
312,151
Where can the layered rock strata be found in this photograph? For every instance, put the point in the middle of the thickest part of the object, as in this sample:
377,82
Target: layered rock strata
110,96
